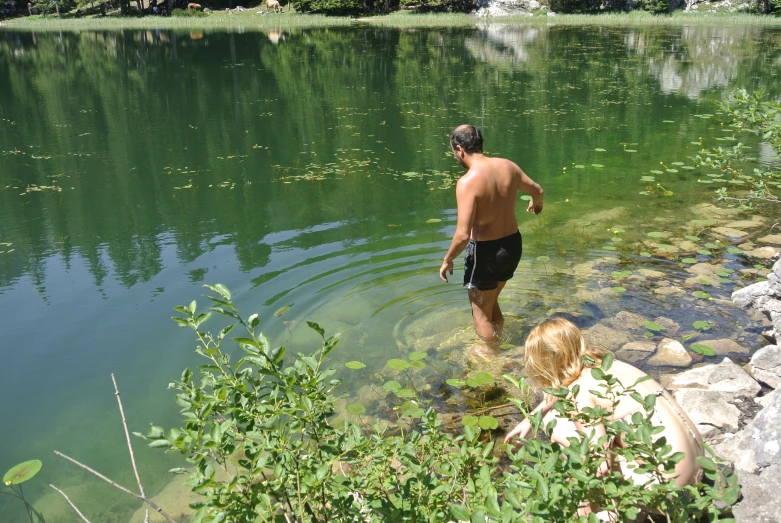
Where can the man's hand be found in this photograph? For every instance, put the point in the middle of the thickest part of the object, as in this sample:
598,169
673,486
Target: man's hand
534,206
521,430
446,266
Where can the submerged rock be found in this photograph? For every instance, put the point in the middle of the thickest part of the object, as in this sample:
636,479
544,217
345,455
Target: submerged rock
724,346
636,351
745,224
603,336
764,253
733,234
670,353
773,239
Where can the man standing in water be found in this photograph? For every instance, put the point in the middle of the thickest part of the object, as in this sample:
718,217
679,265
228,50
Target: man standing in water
487,226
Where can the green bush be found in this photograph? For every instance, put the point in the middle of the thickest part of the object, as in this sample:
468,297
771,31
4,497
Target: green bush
188,13
261,436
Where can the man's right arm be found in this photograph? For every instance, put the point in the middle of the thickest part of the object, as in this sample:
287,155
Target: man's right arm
533,189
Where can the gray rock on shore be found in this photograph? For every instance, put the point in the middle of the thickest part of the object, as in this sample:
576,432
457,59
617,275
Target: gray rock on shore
765,366
764,296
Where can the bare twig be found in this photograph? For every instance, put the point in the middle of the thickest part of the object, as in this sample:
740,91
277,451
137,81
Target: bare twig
127,437
146,516
118,486
70,503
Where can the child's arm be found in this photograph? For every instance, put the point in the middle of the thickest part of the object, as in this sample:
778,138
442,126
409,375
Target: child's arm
522,429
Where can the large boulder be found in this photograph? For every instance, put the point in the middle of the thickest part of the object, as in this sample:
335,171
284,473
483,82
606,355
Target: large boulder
710,411
765,366
761,502
726,377
764,296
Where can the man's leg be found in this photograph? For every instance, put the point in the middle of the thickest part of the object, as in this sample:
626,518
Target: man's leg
497,318
483,303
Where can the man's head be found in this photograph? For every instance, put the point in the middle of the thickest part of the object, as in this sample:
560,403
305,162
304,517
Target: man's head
466,140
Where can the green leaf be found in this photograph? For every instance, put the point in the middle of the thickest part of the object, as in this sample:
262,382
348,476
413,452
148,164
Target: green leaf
703,349
22,472
417,355
459,512
734,250
618,290
397,364
655,234
701,325
487,422
317,328
607,361
470,421
689,261
653,326
282,310
455,382
707,463
483,378
701,294
356,409
253,321
355,365
392,386
220,289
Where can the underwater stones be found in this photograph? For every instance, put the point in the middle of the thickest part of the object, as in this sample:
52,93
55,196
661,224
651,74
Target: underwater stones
744,224
724,346
765,253
773,239
605,215
704,279
765,366
712,212
670,353
671,328
669,290
703,269
603,336
732,234
648,273
687,245
636,351
625,320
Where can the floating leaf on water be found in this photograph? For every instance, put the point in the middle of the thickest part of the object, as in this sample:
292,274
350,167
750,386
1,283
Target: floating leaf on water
672,170
677,163
356,409
404,393
724,272
417,355
282,310
704,181
692,238
668,193
621,274
655,234
543,258
487,422
597,165
22,472
725,280
454,382
630,151
714,175
526,197
616,239
599,150
734,250
704,252
417,412
579,166
649,334
433,220
688,167
609,248
392,386
618,230
618,290
354,365
737,182
417,364
701,294
653,326
645,254
711,246
470,421
668,121
655,171
701,325
703,281
397,364
699,348
506,346
410,174
483,378
689,260
647,179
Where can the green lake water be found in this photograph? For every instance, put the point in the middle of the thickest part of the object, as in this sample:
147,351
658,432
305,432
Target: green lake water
310,169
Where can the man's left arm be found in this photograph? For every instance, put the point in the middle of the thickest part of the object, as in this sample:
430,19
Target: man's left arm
466,216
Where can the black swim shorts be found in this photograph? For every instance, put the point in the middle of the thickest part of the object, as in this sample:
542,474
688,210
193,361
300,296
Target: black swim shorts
489,262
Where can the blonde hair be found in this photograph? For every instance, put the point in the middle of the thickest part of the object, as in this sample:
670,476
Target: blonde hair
554,353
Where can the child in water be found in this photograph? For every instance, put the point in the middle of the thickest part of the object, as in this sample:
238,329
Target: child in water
555,351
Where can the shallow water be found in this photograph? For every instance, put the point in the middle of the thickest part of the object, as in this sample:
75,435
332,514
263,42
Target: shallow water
310,169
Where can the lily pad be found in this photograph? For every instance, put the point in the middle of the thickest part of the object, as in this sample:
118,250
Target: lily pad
700,348
621,274
397,364
392,386
645,254
672,170
599,150
724,272
22,472
417,364
579,166
616,239
701,325
354,365
455,382
433,220
692,238
647,179
584,223
506,346
417,355
597,165
282,310
404,393
676,163
609,248
689,260
701,294
734,250
356,409
483,378
618,290
655,234
711,246
704,252
487,422
470,421
688,167
653,326
630,150
656,171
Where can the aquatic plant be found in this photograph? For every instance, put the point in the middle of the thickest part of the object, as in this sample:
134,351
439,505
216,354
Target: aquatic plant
266,422
17,475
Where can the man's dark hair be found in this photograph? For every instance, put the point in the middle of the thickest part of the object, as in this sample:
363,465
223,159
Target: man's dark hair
468,137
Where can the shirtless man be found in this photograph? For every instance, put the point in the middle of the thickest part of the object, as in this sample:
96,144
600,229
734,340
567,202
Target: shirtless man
487,226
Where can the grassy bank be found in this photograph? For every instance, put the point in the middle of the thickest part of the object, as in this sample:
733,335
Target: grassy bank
253,18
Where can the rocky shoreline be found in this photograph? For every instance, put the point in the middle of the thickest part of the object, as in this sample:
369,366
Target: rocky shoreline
738,409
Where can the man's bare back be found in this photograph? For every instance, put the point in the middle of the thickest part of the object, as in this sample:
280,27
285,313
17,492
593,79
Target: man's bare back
486,197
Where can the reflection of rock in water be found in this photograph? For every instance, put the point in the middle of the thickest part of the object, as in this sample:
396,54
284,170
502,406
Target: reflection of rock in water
702,58
503,45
